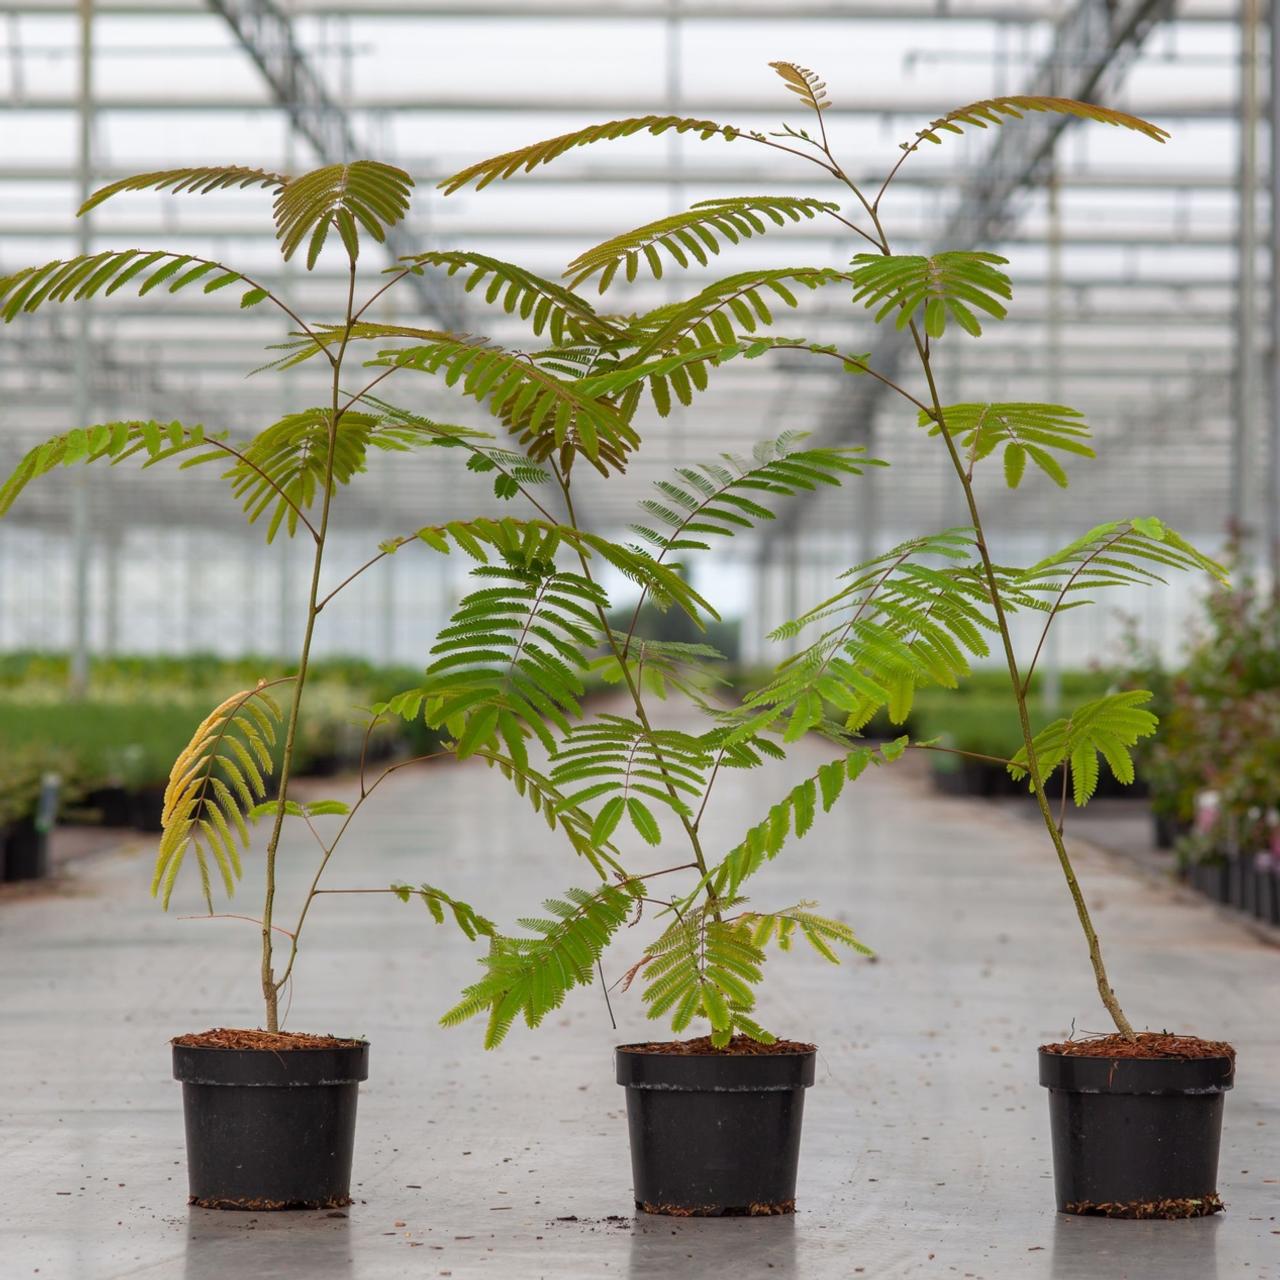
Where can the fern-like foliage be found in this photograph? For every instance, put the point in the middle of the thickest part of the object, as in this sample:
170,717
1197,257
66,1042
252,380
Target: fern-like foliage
805,84
530,976
818,931
76,279
720,499
548,307
620,758
509,663
346,198
284,467
114,440
949,285
219,776
1025,432
466,917
722,311
1119,553
794,815
708,967
198,181
364,195
663,584
688,369
518,540
899,623
695,234
1106,728
539,153
979,115
660,667
545,414
282,471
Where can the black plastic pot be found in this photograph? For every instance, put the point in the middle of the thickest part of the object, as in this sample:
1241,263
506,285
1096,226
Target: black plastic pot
112,806
1244,896
714,1134
1164,830
1136,1137
26,851
147,808
270,1129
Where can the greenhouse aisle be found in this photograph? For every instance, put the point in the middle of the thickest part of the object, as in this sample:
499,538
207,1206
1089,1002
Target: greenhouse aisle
926,1143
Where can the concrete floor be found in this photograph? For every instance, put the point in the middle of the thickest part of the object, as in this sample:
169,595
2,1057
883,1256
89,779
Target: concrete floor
926,1146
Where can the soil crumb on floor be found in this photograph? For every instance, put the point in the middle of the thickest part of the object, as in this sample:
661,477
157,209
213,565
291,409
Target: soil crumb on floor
739,1047
1149,1044
271,1041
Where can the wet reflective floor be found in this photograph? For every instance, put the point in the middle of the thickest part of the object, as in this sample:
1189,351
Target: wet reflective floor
925,1149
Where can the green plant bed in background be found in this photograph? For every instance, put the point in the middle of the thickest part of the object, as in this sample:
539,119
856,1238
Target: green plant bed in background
114,749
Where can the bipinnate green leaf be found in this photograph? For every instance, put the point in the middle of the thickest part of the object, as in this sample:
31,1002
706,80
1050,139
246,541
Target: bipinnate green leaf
529,976
548,307
691,237
364,196
87,276
198,181
1026,432
1106,728
472,924
116,441
915,616
989,111
708,962
947,286
1119,553
723,498
529,158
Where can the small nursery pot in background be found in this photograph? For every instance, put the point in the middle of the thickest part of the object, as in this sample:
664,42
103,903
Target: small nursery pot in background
270,1128
25,855
715,1133
1137,1137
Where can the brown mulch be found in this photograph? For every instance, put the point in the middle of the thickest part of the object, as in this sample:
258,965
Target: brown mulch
257,1204
716,1211
274,1041
1149,1044
738,1047
1169,1210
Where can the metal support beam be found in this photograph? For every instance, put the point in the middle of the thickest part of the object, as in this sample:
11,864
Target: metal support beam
1273,422
1241,502
81,495
266,33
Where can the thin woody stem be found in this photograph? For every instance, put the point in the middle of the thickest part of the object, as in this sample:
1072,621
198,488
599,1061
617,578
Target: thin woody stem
1105,990
270,987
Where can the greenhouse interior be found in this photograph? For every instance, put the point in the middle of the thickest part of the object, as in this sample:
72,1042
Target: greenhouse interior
453,452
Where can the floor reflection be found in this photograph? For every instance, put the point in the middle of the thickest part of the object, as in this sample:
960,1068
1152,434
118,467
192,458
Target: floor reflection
738,1247
1087,1248
222,1245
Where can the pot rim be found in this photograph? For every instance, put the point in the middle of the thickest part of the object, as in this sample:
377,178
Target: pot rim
1074,1074
714,1072
270,1068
